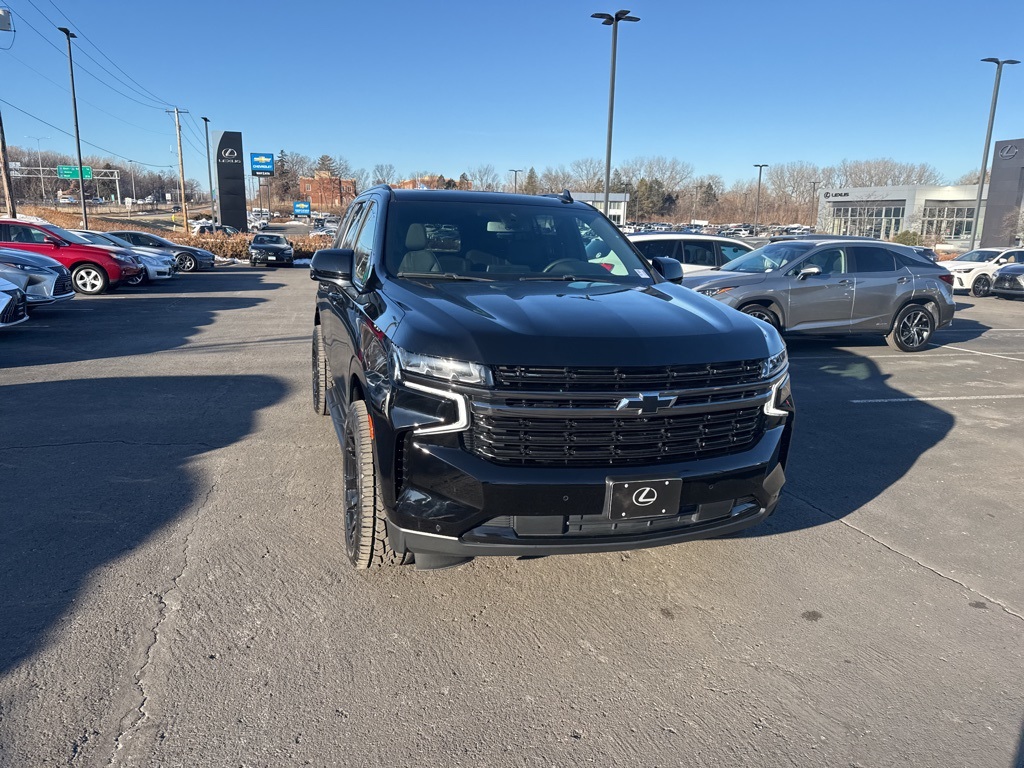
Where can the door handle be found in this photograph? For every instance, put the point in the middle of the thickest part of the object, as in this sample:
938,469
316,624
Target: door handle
903,280
844,282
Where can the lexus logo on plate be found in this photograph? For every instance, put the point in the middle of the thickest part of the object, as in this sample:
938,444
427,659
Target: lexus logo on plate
645,496
1008,152
229,152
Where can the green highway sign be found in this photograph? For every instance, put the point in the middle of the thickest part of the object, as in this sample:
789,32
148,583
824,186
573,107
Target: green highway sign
71,171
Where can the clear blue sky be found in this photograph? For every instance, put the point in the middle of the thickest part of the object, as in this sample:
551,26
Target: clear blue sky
446,85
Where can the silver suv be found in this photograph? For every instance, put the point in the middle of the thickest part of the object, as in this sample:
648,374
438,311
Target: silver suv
829,286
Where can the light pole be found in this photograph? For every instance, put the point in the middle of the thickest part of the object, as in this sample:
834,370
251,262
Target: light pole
209,168
988,140
814,204
39,155
78,139
515,178
611,21
757,204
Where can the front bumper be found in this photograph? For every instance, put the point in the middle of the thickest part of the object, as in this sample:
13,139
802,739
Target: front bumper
455,503
271,259
962,281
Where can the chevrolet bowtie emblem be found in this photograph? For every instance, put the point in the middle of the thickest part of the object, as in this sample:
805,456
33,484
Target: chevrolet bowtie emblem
648,403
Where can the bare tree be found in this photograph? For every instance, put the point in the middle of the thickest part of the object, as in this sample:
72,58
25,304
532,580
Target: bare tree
556,179
344,168
484,178
588,174
384,173
361,178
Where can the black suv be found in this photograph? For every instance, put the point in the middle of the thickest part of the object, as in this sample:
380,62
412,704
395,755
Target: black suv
496,391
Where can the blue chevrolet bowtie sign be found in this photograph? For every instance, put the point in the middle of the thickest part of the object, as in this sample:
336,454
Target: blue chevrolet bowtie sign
300,209
262,164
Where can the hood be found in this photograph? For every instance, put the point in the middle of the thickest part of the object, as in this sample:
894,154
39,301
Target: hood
269,247
13,256
580,323
726,278
1012,269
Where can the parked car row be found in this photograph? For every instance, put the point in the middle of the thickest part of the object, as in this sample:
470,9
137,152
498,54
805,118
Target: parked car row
986,271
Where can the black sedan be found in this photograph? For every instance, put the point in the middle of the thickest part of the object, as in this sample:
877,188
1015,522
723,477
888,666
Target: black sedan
271,250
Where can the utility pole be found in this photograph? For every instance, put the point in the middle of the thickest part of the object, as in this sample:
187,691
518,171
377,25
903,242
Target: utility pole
209,168
39,155
78,138
181,166
814,204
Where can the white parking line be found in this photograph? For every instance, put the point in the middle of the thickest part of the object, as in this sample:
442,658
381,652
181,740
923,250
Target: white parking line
976,352
938,399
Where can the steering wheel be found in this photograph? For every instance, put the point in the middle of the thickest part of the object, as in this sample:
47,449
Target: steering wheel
559,262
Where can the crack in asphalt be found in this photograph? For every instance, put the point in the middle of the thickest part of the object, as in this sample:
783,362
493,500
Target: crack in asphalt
104,442
911,558
167,605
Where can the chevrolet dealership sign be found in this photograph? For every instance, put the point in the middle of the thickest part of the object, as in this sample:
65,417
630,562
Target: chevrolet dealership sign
262,164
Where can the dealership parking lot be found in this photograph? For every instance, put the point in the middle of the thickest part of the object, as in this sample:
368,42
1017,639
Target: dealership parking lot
174,591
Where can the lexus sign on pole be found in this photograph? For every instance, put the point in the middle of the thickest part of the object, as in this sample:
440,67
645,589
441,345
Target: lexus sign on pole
231,203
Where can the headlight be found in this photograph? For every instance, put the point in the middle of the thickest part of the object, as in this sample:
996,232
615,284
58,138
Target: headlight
253,252
123,259
28,268
774,364
781,401
288,252
444,369
715,291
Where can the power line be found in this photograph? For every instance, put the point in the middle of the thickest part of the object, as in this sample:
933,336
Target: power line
68,133
63,88
104,55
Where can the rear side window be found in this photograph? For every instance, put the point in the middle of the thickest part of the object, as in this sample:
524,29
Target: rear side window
654,248
699,253
873,259
730,252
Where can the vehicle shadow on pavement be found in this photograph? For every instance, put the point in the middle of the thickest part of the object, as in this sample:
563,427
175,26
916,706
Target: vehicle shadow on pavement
92,469
855,436
229,279
114,326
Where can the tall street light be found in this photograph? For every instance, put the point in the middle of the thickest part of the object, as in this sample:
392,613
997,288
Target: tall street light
209,168
611,21
515,178
39,155
757,204
78,139
988,140
814,204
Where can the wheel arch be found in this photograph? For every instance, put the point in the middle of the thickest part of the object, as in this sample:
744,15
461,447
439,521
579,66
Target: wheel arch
768,303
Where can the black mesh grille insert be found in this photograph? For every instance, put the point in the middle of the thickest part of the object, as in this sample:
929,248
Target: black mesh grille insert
601,379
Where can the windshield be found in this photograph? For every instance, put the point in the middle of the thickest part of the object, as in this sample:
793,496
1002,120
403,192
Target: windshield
980,255
71,237
268,240
476,240
769,258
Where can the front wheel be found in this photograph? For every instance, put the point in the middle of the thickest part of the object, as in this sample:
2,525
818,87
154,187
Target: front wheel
762,313
912,329
187,262
322,379
982,286
89,279
366,535
140,279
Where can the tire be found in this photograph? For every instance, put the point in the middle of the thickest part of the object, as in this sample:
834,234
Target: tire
322,378
140,279
89,279
187,262
912,329
982,286
762,313
366,535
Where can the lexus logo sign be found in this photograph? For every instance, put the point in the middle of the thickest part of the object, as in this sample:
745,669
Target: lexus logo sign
229,152
1008,152
645,496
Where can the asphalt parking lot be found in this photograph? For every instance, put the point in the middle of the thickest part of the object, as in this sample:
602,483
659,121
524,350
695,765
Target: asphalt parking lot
173,587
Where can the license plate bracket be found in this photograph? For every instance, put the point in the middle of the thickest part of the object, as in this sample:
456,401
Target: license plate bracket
628,498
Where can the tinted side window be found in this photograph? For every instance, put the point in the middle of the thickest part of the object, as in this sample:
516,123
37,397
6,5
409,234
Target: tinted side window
730,252
1014,257
831,260
364,246
653,248
347,234
700,253
873,259
21,234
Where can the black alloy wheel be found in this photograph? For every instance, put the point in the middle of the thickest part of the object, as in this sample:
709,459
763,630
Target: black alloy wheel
982,286
762,313
187,262
912,329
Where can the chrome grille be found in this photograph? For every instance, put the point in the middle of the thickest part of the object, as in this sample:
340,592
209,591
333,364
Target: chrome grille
626,379
62,284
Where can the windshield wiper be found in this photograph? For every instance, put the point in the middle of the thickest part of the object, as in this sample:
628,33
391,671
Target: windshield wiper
446,276
562,278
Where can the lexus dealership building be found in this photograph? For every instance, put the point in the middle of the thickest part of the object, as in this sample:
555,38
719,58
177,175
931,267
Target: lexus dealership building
937,213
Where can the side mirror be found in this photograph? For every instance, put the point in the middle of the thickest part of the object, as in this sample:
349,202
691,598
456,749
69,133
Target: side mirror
806,272
53,240
668,268
1001,260
332,266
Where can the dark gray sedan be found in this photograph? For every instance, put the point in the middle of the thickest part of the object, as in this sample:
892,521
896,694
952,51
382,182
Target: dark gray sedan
829,286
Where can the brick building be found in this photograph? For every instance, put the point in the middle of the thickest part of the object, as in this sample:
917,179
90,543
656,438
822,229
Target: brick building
327,192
